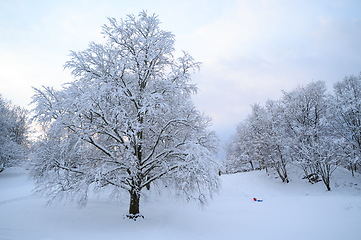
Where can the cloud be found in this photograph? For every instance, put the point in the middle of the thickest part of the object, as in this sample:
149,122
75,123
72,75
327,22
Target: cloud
255,49
250,50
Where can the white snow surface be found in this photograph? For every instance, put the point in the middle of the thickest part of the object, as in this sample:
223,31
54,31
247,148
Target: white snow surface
297,210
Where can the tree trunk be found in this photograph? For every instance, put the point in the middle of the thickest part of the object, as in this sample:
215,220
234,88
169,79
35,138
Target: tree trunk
2,167
134,205
326,181
324,169
353,169
281,168
282,173
251,164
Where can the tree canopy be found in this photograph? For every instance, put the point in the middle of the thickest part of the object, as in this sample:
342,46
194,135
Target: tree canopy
126,121
307,127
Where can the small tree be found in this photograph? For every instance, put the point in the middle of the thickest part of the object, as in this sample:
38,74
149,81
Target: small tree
126,121
13,134
240,150
324,154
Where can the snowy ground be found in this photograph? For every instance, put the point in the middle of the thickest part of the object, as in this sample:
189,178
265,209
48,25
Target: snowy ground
296,210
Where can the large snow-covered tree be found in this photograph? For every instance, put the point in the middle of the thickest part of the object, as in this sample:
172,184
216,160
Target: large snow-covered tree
276,139
314,147
296,129
126,121
305,107
261,139
345,118
13,134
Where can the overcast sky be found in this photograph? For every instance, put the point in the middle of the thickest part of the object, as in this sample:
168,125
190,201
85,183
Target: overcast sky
250,50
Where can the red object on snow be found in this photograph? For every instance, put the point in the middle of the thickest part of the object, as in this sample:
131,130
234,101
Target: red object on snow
255,199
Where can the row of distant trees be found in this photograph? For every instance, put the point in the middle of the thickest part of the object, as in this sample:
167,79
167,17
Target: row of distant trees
307,127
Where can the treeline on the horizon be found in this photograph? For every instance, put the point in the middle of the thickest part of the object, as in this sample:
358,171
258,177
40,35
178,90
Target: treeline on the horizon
306,127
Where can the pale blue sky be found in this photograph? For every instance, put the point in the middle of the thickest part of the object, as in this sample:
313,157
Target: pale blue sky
250,50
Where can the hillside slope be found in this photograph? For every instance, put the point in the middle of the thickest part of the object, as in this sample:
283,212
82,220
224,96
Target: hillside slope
297,210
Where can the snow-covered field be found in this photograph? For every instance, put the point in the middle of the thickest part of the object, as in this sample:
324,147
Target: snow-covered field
296,210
